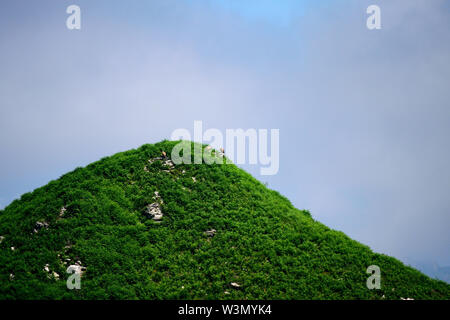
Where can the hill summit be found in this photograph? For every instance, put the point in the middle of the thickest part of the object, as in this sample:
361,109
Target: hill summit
137,226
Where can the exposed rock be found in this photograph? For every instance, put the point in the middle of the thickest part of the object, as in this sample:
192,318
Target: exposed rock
169,163
12,248
210,233
50,274
40,225
151,160
64,257
153,211
165,160
158,198
235,285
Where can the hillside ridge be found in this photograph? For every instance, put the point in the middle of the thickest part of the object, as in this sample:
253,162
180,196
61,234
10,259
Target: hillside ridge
137,226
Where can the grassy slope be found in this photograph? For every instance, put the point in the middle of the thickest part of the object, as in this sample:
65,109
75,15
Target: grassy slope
273,250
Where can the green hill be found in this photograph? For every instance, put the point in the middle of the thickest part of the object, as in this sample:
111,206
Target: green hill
141,229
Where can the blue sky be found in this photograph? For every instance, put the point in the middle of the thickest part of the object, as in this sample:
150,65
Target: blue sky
363,115
279,13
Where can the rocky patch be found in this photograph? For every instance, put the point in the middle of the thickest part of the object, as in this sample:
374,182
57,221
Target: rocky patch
50,274
210,233
167,163
40,225
154,212
62,212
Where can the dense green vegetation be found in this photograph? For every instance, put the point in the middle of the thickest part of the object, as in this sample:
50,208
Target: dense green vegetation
265,245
